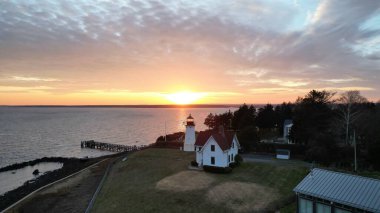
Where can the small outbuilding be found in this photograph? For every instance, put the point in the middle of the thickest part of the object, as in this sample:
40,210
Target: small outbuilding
216,148
323,191
283,154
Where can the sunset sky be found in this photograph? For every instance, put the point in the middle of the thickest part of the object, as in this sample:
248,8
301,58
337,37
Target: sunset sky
169,51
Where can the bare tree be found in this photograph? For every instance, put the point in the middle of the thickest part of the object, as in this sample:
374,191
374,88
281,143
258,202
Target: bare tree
349,108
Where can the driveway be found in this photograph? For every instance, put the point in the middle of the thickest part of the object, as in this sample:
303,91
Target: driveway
271,159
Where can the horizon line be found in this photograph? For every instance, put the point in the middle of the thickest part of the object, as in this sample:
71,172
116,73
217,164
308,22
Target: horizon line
138,105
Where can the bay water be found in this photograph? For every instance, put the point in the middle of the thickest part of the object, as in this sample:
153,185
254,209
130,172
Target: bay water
28,133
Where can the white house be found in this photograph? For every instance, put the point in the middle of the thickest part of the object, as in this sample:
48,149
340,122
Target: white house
216,148
288,124
188,146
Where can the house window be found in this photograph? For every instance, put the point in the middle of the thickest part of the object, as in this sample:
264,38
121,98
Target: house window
305,206
323,208
212,148
233,145
199,148
213,160
232,157
228,158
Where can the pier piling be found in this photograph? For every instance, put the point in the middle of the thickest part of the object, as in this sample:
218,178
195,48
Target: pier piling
111,147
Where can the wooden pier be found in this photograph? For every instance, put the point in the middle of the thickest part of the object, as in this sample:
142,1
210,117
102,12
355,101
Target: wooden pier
111,147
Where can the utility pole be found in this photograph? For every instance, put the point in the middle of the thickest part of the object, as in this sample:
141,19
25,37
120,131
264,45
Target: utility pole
165,130
355,163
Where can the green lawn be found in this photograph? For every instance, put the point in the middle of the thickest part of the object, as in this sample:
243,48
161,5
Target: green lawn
132,185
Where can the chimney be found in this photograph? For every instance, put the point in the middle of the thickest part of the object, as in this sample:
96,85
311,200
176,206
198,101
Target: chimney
221,131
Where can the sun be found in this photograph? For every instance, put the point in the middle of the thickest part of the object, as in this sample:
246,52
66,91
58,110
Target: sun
184,97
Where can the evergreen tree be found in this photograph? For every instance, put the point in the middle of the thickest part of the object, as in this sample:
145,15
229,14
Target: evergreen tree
312,116
244,117
266,118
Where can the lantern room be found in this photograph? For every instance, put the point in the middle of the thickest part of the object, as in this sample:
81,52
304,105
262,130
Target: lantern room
190,121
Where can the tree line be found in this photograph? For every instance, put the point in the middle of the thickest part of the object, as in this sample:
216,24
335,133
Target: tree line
326,124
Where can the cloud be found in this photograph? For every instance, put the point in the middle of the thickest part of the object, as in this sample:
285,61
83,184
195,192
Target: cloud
15,89
161,94
342,80
21,78
209,45
285,83
302,91
244,83
257,73
347,88
276,90
315,66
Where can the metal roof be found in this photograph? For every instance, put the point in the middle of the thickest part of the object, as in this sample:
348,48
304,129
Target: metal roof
224,139
351,190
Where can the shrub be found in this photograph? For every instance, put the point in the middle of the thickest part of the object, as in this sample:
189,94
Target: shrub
214,169
233,165
194,163
238,159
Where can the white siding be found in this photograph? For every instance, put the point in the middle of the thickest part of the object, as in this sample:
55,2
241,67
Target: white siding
221,158
203,156
234,150
199,156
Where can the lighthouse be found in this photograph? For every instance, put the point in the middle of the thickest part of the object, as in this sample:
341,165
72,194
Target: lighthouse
189,135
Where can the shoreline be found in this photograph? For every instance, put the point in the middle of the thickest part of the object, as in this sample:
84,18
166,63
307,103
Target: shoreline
70,166
34,162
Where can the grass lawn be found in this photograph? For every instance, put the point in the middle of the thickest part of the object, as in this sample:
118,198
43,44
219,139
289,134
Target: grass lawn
158,180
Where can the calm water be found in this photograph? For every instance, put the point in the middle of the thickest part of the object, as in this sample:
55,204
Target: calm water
27,133
13,179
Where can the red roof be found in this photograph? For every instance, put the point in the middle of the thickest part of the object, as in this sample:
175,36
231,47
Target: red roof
224,141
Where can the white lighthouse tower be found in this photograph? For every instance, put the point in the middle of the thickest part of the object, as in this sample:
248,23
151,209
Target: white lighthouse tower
189,135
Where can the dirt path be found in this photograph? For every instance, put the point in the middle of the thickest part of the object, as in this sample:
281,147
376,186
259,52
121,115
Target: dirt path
71,195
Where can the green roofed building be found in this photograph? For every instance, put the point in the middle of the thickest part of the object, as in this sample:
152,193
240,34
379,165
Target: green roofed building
323,191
